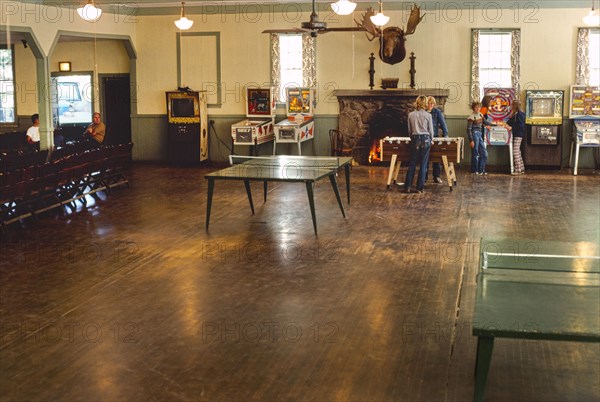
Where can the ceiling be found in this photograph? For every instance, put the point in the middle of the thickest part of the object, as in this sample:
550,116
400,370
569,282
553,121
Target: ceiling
158,7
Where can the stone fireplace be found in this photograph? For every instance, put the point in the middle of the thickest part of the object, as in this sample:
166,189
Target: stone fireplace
370,115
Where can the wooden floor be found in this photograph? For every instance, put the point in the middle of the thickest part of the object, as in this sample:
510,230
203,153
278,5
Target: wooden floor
130,299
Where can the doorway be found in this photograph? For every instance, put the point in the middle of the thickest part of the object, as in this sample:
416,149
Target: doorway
116,104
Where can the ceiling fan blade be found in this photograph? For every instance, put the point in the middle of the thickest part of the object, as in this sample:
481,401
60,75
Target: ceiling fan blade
344,29
289,30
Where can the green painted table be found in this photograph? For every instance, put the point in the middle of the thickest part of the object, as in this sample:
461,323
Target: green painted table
534,290
282,168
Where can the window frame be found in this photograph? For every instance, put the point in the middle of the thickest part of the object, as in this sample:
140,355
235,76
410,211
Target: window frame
309,70
476,88
55,107
15,121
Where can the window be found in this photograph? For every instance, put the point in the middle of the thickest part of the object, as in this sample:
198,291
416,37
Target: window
588,57
7,85
72,98
495,60
292,62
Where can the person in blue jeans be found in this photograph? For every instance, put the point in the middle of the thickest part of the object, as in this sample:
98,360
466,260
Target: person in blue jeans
420,129
439,123
475,123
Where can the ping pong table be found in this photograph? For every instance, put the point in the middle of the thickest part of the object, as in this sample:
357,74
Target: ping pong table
534,290
282,168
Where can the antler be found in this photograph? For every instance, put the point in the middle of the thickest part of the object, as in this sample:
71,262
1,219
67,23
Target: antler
368,25
413,20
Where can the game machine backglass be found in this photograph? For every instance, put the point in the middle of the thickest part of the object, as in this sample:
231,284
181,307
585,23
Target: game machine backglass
499,111
299,126
260,112
543,115
187,137
585,111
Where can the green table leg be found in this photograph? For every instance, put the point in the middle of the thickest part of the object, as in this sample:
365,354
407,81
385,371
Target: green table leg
249,192
265,186
347,172
485,346
209,195
311,203
337,193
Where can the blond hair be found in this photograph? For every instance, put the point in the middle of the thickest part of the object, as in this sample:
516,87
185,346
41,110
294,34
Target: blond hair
516,105
431,99
421,102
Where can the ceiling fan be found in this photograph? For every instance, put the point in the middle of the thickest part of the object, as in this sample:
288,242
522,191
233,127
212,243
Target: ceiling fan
314,26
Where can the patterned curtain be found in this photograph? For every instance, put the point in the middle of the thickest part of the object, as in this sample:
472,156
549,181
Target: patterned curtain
275,66
582,63
475,91
309,63
515,61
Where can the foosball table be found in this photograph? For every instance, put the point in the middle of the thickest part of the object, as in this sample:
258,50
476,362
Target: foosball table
446,150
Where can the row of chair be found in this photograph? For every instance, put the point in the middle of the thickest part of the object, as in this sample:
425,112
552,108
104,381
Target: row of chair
22,159
30,191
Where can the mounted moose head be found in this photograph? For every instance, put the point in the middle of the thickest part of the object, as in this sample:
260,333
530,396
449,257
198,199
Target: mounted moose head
391,47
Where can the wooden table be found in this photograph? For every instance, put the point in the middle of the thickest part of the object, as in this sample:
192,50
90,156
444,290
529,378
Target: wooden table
283,168
534,290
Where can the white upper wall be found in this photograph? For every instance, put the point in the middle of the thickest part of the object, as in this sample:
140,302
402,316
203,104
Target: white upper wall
441,43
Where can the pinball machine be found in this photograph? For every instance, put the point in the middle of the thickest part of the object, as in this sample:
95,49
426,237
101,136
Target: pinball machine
543,116
499,111
584,109
299,125
260,112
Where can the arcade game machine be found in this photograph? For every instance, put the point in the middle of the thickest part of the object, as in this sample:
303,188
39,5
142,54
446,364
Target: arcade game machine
543,115
499,111
187,127
258,127
299,126
585,111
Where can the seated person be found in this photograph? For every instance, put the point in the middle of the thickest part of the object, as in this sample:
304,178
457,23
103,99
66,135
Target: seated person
59,140
96,130
33,133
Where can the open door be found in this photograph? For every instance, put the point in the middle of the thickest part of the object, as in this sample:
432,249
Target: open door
117,108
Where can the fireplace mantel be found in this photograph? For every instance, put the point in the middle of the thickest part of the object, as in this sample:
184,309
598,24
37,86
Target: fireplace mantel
372,114
392,93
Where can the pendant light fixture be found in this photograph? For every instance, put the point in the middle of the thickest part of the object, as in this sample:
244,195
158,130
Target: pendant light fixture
89,12
343,7
183,23
592,19
379,19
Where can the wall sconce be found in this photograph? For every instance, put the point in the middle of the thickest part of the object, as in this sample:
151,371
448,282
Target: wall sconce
380,19
64,66
89,12
183,23
343,7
